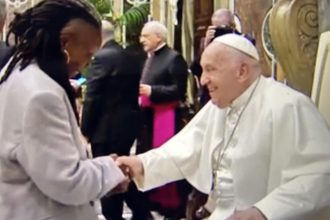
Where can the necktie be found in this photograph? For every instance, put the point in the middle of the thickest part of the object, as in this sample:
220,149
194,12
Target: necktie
146,68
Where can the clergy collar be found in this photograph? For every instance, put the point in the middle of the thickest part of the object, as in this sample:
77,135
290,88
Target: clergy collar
244,97
158,49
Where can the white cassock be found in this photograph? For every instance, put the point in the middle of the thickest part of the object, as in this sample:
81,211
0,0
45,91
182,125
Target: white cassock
278,159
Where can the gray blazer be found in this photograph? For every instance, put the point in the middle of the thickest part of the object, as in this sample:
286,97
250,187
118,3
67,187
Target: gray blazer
44,169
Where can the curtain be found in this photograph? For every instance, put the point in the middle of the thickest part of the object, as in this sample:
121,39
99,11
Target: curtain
188,30
171,10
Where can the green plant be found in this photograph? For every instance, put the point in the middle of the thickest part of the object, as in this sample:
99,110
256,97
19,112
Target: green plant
135,18
103,7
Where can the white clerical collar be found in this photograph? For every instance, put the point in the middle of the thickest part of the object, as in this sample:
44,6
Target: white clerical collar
152,53
243,98
159,47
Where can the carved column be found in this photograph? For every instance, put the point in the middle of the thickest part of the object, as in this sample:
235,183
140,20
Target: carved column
324,15
294,32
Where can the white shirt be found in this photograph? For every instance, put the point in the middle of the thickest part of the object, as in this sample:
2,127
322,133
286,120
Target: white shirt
279,158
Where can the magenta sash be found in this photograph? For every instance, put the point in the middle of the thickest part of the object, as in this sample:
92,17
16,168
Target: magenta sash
164,120
163,129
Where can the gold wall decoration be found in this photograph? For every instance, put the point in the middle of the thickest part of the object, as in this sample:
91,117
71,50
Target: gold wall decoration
268,44
294,33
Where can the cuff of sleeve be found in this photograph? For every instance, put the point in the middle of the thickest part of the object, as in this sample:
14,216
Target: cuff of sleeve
111,174
151,90
266,209
139,180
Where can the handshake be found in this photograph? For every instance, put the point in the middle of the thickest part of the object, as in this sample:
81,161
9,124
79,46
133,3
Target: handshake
131,167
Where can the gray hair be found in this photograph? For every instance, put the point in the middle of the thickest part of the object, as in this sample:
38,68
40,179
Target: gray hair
157,28
108,31
3,10
228,13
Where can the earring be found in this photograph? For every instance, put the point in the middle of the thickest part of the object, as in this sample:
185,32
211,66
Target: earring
67,56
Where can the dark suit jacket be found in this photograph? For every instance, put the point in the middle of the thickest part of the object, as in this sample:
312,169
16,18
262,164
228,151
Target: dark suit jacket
5,54
111,109
167,76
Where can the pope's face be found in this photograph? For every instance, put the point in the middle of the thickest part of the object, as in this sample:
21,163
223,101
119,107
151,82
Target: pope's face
220,74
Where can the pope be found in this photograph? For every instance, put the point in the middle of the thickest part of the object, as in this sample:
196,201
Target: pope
259,148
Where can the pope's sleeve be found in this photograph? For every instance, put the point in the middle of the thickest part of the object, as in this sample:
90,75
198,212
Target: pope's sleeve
301,146
177,157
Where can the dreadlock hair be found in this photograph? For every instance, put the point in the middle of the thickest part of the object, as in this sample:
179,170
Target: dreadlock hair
37,37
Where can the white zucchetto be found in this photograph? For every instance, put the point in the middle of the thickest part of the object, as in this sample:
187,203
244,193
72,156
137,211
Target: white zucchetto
239,43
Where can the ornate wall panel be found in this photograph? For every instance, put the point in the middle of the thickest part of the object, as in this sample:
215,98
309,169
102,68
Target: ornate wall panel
324,15
252,14
294,32
203,10
17,6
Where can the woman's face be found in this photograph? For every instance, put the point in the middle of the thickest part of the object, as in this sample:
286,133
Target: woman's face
80,40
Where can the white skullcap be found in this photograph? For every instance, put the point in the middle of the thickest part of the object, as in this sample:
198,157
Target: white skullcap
240,43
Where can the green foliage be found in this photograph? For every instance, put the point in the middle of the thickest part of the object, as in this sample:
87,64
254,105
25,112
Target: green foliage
134,19
84,72
103,7
127,6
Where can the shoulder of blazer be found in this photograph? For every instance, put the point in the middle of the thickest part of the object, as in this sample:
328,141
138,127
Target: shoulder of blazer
33,80
108,54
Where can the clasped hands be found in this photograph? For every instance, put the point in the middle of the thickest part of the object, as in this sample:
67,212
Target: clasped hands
131,167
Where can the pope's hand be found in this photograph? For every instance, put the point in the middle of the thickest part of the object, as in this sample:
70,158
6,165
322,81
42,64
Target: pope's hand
133,165
250,214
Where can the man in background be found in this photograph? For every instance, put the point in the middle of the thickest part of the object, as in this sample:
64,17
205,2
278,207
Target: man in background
5,51
260,148
110,119
223,22
162,94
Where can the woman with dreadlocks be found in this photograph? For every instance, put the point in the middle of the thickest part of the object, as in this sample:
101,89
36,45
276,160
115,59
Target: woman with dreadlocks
44,169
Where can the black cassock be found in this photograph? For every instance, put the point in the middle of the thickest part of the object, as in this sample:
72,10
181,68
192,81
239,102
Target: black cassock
166,72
